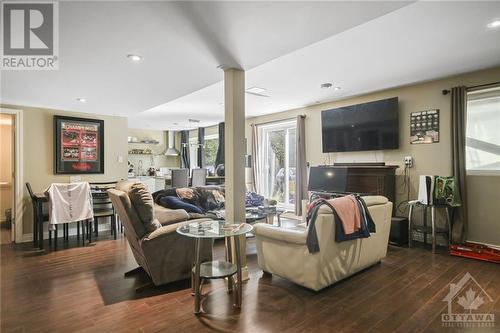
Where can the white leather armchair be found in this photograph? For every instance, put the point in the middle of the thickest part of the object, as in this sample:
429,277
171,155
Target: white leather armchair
283,251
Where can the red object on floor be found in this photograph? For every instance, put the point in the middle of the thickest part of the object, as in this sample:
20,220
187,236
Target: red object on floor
476,251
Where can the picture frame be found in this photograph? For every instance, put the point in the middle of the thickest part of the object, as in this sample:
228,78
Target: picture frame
424,127
78,145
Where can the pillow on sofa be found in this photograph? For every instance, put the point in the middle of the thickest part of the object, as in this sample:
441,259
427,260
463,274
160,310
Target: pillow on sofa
144,205
168,216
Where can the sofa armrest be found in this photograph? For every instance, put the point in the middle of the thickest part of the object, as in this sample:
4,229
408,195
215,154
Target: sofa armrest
287,235
162,232
169,216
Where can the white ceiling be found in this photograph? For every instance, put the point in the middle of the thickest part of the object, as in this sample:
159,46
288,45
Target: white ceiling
289,48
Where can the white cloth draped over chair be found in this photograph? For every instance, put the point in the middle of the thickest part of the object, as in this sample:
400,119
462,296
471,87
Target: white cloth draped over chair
69,202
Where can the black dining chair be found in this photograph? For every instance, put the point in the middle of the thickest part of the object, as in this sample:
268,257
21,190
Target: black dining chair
38,216
180,177
102,205
199,177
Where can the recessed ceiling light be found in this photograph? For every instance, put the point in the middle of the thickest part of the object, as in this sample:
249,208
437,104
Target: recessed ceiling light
326,85
134,57
81,99
257,91
337,88
493,24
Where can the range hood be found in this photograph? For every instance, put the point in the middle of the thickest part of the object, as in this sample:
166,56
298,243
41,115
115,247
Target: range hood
171,151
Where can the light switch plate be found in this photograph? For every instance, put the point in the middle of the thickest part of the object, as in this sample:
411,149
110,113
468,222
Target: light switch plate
75,179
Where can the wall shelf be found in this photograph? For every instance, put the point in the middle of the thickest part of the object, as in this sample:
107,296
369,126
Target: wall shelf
147,154
145,142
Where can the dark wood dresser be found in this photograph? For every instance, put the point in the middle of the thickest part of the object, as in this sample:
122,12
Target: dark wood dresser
372,180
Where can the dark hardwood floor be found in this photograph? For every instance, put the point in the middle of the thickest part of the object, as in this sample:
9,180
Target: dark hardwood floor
82,289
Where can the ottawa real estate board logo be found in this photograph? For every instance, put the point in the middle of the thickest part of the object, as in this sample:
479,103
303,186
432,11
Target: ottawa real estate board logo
469,305
30,35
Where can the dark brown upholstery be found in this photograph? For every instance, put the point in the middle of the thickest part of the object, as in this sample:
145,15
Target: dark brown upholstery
164,254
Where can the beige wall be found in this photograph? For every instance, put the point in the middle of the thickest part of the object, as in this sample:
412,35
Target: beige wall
6,135
38,151
159,160
434,159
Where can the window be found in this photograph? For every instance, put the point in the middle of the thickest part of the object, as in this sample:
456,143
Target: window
211,146
278,161
483,131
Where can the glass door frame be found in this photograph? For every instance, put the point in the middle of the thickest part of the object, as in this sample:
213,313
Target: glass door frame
263,132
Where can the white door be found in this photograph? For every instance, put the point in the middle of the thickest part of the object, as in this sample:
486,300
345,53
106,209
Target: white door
278,161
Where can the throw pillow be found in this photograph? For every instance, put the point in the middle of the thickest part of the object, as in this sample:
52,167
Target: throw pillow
143,203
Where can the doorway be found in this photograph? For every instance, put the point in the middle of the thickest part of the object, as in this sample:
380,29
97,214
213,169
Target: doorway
7,181
278,161
12,130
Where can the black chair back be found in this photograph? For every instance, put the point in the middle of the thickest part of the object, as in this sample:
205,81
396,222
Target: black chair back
30,191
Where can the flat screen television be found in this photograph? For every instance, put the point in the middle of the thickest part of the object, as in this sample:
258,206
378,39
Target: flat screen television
367,126
325,179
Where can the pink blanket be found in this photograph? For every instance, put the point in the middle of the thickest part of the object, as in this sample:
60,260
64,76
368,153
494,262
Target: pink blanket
348,210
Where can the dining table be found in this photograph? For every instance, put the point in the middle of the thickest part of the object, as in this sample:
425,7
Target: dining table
39,200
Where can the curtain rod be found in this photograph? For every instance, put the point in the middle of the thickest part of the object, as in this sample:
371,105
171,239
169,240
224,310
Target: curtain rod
486,85
279,120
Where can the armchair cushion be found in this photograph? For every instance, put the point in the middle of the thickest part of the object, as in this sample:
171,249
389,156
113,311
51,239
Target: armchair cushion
169,216
144,205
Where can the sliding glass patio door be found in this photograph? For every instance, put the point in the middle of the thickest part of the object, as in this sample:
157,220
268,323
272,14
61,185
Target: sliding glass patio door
278,161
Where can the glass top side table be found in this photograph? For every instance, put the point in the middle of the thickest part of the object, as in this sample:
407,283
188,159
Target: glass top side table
216,269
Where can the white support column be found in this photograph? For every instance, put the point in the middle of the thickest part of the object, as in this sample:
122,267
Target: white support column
234,104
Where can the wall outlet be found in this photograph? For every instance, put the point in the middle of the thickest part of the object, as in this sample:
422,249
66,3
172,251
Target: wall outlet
408,160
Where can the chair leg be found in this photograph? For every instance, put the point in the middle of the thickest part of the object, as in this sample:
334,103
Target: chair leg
84,231
113,225
50,236
433,226
448,221
410,216
90,230
78,230
35,226
96,227
56,236
40,225
425,225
